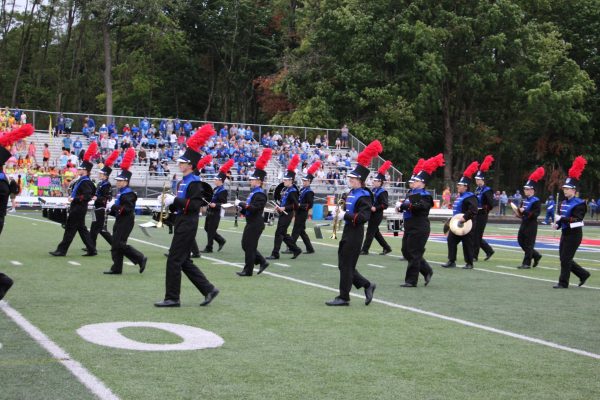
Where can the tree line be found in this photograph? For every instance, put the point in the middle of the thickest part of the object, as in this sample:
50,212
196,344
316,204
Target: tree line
514,78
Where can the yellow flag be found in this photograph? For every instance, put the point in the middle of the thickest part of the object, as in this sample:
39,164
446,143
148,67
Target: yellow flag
50,129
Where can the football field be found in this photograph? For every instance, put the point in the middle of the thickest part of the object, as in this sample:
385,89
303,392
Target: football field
495,332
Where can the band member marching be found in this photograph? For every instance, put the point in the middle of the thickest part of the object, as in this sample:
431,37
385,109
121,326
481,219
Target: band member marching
380,203
186,206
357,212
7,139
415,211
123,210
465,203
286,208
485,204
570,221
529,213
82,193
305,203
204,161
213,212
253,209
101,199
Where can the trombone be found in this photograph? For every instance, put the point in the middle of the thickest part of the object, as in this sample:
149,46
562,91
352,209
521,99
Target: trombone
340,203
159,224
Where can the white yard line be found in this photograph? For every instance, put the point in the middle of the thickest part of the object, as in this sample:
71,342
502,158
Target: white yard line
73,263
329,265
376,266
95,385
418,310
15,263
281,265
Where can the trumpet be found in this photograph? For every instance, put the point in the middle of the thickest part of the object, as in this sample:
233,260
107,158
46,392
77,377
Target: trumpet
340,204
159,224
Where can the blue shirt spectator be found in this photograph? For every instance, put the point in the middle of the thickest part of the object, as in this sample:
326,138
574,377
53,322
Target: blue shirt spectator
187,128
67,143
77,145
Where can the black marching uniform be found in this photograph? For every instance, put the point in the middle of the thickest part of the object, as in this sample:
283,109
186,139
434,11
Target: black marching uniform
289,202
124,212
528,231
380,202
305,203
485,204
83,192
213,217
416,233
466,203
253,209
103,196
186,205
5,281
572,212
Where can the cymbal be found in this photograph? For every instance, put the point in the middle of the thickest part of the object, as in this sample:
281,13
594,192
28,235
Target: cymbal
460,228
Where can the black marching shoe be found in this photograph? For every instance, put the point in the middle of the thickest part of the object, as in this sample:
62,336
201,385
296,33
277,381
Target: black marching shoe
468,266
449,264
428,278
338,302
407,284
221,245
559,286
536,260
205,251
90,254
111,272
488,256
364,253
309,252
272,257
167,303
523,266
385,251
369,293
296,254
262,267
143,264
209,297
582,281
243,273
57,253
288,251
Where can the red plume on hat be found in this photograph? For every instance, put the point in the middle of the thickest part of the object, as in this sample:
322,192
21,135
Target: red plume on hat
371,151
128,159
15,135
91,151
487,163
204,161
419,166
577,168
383,169
313,168
112,158
471,169
537,174
264,158
293,164
200,137
227,166
434,163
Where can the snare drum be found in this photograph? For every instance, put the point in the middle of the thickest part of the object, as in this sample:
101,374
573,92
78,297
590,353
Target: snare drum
395,225
268,216
56,214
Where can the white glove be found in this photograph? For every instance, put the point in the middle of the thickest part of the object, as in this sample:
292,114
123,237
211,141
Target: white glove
340,215
110,204
237,202
398,204
169,199
557,218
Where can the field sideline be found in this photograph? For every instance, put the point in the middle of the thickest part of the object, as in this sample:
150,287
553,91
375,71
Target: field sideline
494,332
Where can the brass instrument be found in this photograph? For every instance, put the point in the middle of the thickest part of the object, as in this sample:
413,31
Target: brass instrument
275,204
341,202
159,224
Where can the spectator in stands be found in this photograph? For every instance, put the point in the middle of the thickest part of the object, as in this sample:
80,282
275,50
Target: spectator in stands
152,168
91,124
503,203
85,131
446,198
344,135
144,126
23,118
103,131
15,190
66,143
153,156
593,207
60,124
31,151
46,156
318,142
77,145
224,132
338,144
142,156
68,125
187,128
126,129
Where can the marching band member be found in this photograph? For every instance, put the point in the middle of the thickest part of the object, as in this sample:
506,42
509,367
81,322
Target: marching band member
186,205
570,221
213,213
529,213
466,203
286,208
204,161
485,203
101,199
415,211
123,209
357,212
380,203
305,203
82,193
253,209
7,139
